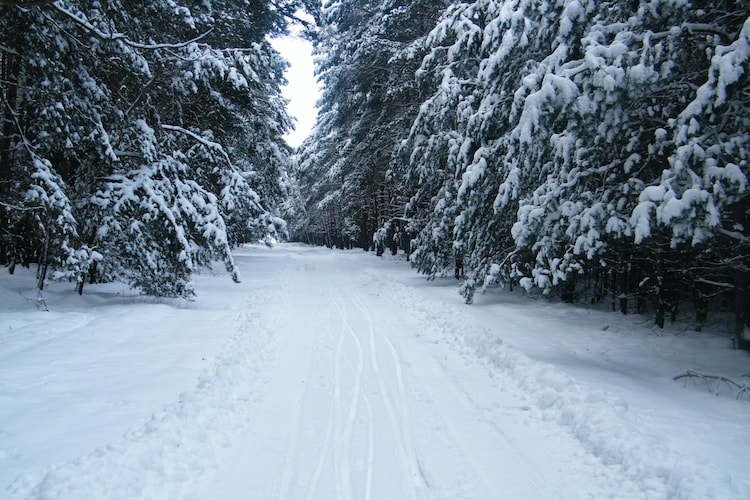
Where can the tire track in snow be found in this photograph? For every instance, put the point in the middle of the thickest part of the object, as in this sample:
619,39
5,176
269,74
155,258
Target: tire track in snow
492,458
482,439
629,464
370,448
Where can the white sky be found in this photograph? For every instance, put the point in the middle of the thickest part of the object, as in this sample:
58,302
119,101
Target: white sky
302,90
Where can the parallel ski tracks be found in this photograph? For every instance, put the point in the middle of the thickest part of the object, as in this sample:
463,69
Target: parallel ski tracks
358,388
343,449
401,426
360,409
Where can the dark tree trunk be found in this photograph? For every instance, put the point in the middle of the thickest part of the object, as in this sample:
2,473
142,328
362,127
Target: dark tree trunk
700,304
740,310
41,275
567,291
741,296
364,231
661,305
92,272
392,238
9,70
623,282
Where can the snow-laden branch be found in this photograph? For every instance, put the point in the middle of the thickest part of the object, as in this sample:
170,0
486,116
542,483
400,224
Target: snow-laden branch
209,144
8,50
25,3
734,235
21,208
719,284
714,382
709,28
691,28
112,37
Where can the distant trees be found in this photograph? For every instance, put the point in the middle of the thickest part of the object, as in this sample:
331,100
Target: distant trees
581,148
369,51
140,140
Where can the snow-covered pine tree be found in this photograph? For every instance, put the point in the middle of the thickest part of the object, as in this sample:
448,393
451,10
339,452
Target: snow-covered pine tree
53,113
699,203
368,55
435,141
543,126
152,134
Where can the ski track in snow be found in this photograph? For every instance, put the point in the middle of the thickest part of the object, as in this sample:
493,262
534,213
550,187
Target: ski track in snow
340,383
367,413
632,465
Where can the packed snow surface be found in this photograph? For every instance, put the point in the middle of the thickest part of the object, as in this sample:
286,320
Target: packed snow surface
330,374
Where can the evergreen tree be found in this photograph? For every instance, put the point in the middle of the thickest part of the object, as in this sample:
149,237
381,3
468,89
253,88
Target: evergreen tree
368,54
140,140
542,127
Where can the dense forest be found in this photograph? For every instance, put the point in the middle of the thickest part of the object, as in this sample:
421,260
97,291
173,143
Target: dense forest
595,151
140,140
590,150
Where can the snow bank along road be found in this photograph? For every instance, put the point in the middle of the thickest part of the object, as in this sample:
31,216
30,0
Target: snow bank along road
337,380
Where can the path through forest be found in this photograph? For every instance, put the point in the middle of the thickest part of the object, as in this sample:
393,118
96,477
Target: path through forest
365,402
337,375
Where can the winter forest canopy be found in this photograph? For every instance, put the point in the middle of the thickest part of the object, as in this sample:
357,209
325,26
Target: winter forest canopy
591,150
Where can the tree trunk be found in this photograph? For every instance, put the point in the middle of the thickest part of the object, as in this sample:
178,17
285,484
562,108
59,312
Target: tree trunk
740,310
623,297
567,290
9,70
700,303
741,299
660,300
364,230
41,275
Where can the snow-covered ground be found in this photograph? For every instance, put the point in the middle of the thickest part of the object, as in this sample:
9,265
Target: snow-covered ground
329,374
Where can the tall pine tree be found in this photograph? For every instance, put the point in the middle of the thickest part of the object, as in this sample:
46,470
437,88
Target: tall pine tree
140,140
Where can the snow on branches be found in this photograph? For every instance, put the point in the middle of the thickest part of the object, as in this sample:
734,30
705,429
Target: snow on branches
557,134
714,383
153,136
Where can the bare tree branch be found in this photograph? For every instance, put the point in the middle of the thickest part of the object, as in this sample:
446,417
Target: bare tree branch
734,235
714,382
20,208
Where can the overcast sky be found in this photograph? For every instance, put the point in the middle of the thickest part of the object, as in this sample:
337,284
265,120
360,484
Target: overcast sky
302,89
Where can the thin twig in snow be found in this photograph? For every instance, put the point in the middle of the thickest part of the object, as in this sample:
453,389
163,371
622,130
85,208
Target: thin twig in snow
714,382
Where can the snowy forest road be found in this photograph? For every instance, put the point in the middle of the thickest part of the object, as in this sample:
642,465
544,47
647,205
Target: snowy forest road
337,375
366,401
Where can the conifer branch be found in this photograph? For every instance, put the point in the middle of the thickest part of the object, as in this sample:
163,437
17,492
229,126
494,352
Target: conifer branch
112,37
209,144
